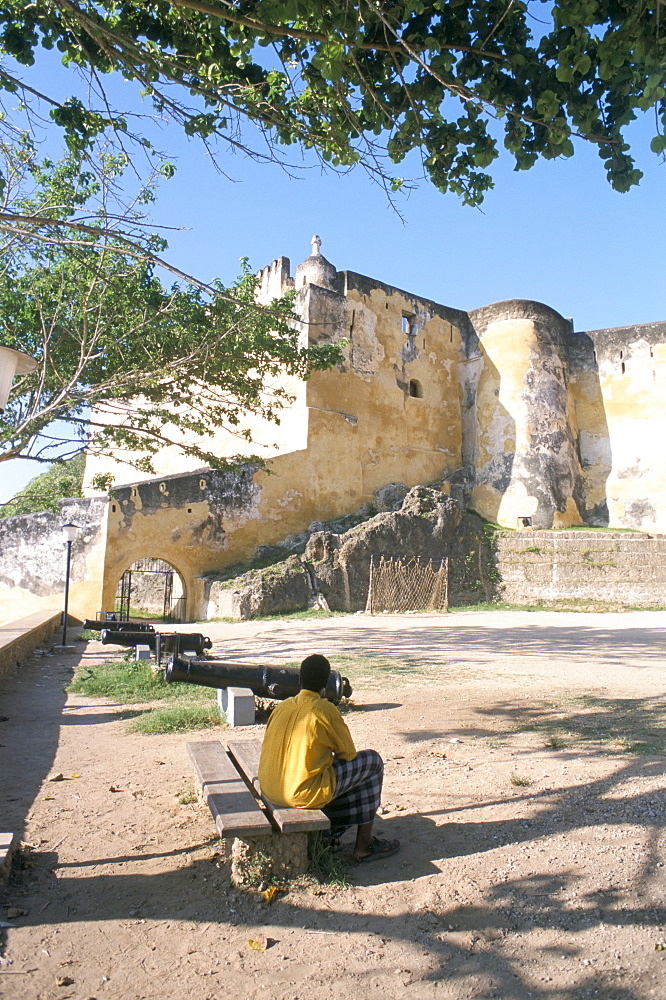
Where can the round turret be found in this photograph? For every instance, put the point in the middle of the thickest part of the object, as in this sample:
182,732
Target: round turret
315,269
527,464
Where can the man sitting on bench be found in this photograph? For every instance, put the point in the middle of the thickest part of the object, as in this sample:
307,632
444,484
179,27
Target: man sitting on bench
308,761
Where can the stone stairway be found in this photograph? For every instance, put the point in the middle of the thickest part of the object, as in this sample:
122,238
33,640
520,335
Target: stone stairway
624,567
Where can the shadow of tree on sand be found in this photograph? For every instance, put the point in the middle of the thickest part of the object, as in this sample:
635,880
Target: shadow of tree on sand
475,943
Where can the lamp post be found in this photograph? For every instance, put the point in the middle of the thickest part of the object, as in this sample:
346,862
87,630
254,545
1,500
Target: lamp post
12,363
68,536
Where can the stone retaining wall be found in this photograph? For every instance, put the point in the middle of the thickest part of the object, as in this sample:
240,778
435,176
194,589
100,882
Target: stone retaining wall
19,639
597,566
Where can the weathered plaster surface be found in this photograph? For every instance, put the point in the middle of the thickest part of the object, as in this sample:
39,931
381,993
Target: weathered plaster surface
32,561
526,457
630,423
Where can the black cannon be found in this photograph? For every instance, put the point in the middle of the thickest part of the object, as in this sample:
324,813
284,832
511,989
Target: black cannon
266,682
96,626
171,642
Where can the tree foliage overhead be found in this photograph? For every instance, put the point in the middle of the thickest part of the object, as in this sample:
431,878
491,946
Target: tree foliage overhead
369,81
125,362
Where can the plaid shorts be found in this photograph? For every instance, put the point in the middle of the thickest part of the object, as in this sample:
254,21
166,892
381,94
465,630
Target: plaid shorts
358,791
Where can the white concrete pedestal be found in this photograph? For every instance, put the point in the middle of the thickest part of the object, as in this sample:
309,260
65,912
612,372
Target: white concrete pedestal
237,704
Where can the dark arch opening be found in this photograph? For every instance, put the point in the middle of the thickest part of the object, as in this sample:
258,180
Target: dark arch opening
415,389
151,589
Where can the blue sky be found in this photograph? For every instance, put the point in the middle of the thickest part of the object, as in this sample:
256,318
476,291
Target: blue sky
557,233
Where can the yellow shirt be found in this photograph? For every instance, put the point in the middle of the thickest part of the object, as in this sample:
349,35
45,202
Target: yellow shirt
303,735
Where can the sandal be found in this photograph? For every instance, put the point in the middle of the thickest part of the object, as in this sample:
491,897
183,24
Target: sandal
379,849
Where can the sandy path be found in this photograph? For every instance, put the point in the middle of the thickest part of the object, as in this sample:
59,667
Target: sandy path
553,889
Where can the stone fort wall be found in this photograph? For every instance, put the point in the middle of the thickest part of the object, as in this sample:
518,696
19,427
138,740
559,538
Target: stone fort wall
541,424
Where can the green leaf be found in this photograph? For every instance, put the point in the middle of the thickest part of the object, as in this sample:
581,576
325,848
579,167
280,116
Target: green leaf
658,144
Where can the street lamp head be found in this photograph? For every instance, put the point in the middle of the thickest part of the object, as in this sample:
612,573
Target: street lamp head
69,532
12,363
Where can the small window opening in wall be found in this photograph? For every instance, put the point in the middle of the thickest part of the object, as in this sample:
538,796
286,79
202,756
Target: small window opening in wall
651,353
621,354
189,510
406,324
113,508
415,389
162,488
202,484
622,367
524,522
134,491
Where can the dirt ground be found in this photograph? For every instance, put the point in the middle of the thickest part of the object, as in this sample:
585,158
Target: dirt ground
525,777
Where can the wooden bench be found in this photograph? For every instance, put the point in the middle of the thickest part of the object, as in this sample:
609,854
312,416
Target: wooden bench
264,836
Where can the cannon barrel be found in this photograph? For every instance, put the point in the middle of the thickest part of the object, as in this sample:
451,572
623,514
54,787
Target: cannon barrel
171,641
266,682
98,626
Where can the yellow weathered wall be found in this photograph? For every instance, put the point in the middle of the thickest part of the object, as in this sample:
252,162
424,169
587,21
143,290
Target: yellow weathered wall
267,440
635,410
399,438
362,428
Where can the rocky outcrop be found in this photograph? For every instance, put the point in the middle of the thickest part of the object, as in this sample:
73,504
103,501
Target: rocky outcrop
336,566
275,590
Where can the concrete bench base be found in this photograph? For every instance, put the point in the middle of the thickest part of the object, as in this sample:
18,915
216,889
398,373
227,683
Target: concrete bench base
8,845
255,860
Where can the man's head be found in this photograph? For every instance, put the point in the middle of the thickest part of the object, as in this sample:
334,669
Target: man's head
315,672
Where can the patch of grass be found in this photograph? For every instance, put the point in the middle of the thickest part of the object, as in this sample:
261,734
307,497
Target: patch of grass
641,746
488,524
556,743
305,613
139,613
581,606
188,795
132,683
176,719
519,780
495,606
325,864
287,616
173,708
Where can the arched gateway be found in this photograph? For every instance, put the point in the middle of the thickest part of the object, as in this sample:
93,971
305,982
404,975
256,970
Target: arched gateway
151,588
